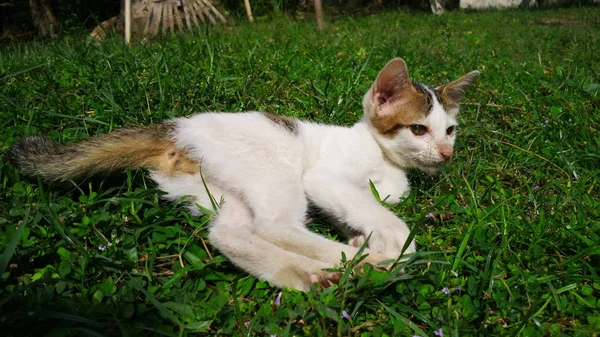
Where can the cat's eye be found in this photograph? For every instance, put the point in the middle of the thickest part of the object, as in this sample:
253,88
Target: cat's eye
418,130
450,130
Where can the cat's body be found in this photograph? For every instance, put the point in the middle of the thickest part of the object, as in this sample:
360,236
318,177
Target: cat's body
267,168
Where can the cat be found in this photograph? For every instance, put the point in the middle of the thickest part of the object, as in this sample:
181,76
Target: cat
267,168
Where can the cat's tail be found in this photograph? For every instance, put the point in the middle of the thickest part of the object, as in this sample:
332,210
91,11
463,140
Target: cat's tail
120,149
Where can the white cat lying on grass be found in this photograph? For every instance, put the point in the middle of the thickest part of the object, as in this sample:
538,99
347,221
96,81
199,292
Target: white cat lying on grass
267,168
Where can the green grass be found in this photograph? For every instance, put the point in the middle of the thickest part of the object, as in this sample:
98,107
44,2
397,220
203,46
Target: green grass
517,223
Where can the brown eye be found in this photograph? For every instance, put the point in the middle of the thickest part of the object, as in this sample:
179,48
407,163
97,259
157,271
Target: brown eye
418,130
450,130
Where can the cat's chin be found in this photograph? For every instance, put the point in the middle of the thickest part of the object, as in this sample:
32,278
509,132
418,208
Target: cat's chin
429,168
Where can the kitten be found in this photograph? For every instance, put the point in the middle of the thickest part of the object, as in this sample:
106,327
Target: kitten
267,168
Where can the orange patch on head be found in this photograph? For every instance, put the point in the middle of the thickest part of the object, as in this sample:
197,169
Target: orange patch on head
395,102
389,118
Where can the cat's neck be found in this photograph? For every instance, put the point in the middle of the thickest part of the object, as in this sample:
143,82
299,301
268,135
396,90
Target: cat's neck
389,155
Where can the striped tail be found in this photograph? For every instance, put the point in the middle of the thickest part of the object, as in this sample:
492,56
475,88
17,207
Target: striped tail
150,147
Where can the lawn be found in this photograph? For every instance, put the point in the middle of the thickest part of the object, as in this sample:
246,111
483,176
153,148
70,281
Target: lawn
508,233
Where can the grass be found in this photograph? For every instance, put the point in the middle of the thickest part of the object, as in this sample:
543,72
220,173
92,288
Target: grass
514,230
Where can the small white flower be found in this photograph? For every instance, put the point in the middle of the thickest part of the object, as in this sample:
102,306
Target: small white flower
278,299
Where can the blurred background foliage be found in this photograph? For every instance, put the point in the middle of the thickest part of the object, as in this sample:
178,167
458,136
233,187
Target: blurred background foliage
17,23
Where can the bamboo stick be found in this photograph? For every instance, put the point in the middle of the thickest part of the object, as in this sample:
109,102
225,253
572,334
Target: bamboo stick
248,10
127,21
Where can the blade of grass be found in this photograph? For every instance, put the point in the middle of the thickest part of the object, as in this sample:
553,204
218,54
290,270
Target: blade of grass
166,313
10,249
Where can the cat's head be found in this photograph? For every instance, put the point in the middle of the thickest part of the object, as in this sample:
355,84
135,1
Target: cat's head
414,124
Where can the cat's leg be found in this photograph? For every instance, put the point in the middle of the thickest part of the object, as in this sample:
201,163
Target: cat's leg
279,217
232,234
188,188
358,209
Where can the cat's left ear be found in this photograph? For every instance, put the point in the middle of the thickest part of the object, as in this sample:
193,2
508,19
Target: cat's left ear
392,84
453,92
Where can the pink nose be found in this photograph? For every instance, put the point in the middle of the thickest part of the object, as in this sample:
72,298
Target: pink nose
446,151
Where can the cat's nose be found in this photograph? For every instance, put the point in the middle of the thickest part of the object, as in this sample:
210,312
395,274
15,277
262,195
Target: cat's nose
446,151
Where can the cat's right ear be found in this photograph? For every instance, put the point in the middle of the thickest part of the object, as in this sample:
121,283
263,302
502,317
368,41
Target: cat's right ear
391,83
453,92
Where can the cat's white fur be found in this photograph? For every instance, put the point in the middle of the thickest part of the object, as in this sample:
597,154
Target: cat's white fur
266,176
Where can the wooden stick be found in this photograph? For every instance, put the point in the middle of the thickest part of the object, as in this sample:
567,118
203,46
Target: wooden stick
216,12
178,18
156,24
248,10
208,6
186,13
319,14
192,10
200,10
127,21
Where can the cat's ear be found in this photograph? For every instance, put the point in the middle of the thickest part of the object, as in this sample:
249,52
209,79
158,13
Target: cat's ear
453,92
391,83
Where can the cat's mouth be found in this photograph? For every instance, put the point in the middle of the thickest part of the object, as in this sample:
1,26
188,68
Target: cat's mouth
429,166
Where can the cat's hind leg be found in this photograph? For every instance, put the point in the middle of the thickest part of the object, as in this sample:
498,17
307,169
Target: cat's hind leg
232,234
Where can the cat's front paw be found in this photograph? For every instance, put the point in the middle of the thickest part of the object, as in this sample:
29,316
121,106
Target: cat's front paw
389,242
357,241
303,276
325,278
